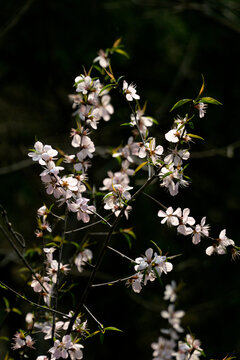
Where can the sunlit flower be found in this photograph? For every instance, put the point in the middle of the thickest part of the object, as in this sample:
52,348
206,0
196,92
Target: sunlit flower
102,59
202,108
130,91
220,244
200,230
170,216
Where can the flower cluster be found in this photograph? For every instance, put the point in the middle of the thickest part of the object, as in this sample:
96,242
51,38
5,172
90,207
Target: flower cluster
186,226
66,347
44,284
21,341
61,349
117,199
148,267
167,348
66,189
65,177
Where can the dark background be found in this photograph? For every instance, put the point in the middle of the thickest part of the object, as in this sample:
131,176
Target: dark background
43,45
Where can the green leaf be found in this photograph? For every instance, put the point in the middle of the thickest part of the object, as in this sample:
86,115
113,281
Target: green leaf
180,103
98,68
157,276
75,244
108,195
52,244
128,238
173,256
101,337
4,287
108,86
59,161
195,136
6,302
202,353
209,100
93,334
159,250
112,328
17,311
31,252
117,42
126,124
128,231
140,166
122,52
191,125
202,88
4,338
185,166
120,77
153,120
167,174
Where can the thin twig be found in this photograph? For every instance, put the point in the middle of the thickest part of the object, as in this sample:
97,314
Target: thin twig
121,254
20,239
112,282
104,220
156,201
94,318
83,227
32,302
4,29
56,216
22,258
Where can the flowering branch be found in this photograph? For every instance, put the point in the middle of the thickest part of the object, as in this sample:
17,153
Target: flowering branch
101,255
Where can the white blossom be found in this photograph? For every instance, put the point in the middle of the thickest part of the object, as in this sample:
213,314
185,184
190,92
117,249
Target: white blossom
174,317
219,247
59,350
21,340
102,59
39,286
130,91
42,151
82,209
172,178
82,258
202,108
200,230
105,108
177,156
151,150
152,266
136,282
170,291
170,216
186,220
163,349
85,84
142,122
